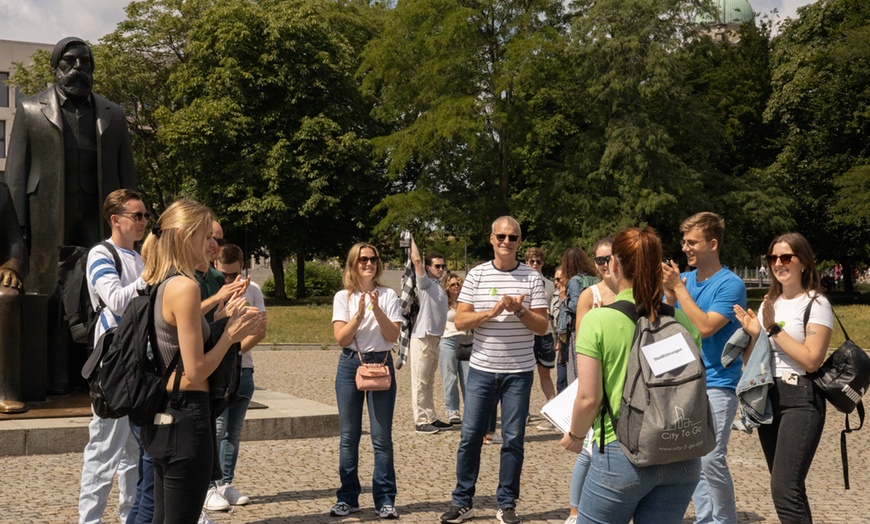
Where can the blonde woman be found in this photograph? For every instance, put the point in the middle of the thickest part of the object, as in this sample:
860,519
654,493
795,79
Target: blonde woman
454,372
182,443
365,320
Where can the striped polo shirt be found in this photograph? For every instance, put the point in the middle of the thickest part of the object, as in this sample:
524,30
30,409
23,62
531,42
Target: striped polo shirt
503,344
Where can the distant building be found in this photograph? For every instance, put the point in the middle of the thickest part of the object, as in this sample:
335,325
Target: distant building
11,51
730,15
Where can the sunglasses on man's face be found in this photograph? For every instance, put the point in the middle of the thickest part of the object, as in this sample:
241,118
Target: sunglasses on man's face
602,260
439,266
221,242
230,276
512,238
785,259
137,217
366,260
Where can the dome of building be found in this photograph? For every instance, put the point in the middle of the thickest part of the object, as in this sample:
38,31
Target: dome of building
730,12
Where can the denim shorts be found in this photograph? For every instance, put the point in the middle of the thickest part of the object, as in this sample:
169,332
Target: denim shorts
545,351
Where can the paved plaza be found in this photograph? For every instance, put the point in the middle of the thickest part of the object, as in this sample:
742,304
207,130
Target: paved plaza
294,481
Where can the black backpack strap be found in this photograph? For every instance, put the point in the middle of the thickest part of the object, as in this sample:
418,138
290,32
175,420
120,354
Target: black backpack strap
843,453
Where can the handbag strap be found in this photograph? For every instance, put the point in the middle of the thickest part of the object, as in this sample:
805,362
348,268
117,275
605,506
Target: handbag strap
355,344
843,453
807,316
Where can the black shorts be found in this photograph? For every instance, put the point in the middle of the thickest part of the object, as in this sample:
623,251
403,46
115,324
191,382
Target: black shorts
545,351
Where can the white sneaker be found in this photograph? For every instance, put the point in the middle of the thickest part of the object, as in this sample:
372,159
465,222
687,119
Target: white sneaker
203,519
214,501
232,495
492,438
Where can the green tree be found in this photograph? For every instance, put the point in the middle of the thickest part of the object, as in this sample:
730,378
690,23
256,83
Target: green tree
732,81
821,90
271,125
445,75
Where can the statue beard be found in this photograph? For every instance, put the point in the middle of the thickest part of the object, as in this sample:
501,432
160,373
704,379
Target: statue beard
75,84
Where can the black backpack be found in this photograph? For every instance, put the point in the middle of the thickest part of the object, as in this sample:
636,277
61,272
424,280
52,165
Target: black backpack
80,314
125,372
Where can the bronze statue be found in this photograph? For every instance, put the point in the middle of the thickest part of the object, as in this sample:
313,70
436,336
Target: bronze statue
13,261
68,150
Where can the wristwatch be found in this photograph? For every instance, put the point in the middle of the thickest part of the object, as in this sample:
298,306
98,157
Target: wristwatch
774,330
520,312
574,437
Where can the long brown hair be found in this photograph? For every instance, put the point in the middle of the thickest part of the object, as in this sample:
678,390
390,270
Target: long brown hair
639,252
800,246
576,262
350,277
445,283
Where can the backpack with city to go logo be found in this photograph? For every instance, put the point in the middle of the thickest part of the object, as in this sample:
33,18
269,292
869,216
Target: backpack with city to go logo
663,418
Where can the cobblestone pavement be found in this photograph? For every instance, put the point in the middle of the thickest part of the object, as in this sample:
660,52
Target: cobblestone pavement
294,481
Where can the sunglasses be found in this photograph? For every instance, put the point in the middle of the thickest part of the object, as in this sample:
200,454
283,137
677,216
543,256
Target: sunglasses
439,266
455,284
230,276
785,259
366,260
137,217
602,260
512,238
221,242
535,262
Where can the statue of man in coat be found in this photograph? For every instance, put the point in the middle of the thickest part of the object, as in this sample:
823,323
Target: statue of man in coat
69,149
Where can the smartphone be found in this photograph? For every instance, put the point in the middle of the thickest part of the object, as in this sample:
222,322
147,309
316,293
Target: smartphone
163,419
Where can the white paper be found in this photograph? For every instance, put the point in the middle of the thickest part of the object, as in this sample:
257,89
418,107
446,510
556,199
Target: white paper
560,410
667,354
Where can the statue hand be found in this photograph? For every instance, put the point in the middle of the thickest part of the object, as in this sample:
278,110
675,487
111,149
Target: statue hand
9,278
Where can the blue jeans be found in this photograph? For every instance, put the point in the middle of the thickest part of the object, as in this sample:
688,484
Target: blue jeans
578,476
617,491
350,408
714,495
143,508
229,427
484,390
454,373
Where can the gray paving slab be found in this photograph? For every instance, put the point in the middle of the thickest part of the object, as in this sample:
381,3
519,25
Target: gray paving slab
294,481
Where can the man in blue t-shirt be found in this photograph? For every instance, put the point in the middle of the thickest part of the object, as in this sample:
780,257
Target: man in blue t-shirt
707,295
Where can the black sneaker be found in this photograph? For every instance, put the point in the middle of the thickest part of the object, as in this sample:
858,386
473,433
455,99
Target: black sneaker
455,515
442,425
508,516
427,428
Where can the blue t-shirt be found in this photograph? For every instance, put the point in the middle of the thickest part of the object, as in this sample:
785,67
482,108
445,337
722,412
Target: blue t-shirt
718,293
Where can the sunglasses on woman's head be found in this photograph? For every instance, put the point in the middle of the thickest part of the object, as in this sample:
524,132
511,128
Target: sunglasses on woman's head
366,260
501,236
602,260
785,259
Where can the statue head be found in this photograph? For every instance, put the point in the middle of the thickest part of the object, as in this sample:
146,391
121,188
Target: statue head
73,66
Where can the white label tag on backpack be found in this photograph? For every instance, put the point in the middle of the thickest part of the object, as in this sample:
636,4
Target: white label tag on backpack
667,354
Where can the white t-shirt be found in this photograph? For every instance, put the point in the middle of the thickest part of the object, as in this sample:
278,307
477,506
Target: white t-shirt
368,337
104,283
549,290
432,316
503,344
254,296
791,314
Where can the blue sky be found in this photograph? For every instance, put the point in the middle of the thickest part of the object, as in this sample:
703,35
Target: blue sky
47,21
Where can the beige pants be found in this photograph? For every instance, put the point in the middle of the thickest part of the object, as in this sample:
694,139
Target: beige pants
424,363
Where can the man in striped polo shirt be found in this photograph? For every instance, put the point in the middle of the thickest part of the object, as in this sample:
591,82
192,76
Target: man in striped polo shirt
505,303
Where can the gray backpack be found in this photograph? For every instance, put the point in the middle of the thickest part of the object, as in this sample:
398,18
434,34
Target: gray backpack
665,418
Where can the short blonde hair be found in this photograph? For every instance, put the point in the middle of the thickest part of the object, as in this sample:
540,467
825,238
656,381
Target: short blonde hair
711,225
350,277
168,248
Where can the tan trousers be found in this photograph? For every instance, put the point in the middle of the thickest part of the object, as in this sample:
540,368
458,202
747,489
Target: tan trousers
424,363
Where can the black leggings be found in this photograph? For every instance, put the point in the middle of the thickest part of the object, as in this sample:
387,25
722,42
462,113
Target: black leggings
183,453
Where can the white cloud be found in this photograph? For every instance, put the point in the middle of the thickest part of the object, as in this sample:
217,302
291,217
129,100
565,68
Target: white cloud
47,21
785,8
